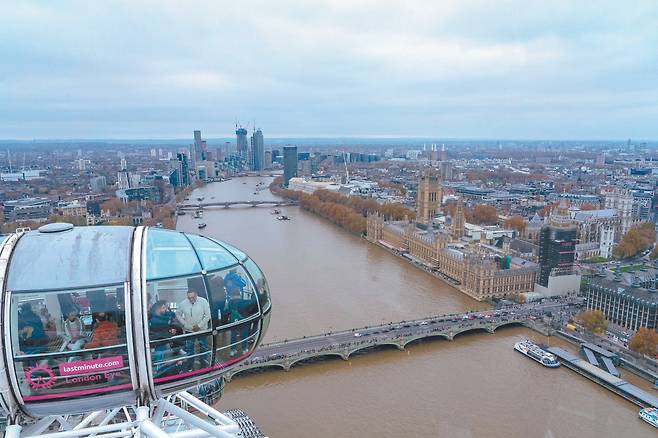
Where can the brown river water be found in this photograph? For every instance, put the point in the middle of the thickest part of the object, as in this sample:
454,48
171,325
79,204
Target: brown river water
323,278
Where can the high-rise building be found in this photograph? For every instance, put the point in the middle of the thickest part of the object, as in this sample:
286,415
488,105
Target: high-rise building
268,160
242,144
124,164
184,177
123,180
97,184
428,198
197,154
204,150
257,151
446,170
557,246
289,163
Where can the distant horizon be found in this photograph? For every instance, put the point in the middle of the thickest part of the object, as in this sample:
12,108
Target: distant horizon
369,138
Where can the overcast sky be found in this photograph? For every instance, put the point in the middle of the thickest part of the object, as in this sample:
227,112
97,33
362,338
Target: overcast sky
462,69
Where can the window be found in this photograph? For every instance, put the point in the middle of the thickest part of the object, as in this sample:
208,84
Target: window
179,327
212,255
169,254
262,289
233,296
69,343
235,342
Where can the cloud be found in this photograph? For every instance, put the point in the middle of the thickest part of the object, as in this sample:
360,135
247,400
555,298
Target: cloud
459,69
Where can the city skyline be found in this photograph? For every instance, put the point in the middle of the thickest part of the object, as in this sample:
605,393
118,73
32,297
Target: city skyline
454,70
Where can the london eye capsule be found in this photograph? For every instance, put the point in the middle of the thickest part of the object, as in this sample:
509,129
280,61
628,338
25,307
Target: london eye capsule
106,316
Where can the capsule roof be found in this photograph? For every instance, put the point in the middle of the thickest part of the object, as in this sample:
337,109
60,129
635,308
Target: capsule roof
70,257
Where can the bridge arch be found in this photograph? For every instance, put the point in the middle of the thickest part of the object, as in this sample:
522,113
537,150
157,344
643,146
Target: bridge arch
375,346
507,323
471,329
319,355
253,367
424,337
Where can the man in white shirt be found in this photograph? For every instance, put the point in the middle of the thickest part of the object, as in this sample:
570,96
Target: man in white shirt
194,315
193,312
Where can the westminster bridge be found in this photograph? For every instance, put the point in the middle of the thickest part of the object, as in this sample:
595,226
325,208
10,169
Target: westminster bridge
343,344
227,204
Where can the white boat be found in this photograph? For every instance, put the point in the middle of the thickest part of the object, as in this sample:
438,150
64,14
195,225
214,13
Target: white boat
650,415
535,353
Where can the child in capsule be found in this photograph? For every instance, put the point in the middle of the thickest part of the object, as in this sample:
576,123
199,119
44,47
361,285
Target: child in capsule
73,330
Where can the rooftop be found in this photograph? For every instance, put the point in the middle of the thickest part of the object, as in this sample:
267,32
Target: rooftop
623,288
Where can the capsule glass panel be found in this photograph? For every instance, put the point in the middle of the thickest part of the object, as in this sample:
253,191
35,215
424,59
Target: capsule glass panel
233,296
213,256
236,252
169,254
262,288
69,344
236,342
179,328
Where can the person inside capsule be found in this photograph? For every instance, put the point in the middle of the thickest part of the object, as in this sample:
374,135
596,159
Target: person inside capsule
194,315
179,326
83,330
32,335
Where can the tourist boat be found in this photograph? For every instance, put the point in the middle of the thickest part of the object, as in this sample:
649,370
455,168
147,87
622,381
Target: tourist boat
283,218
275,211
533,351
650,415
202,225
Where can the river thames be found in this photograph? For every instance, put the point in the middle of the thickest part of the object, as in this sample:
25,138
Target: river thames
323,278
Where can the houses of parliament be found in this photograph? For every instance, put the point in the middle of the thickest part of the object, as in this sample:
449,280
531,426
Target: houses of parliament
480,269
